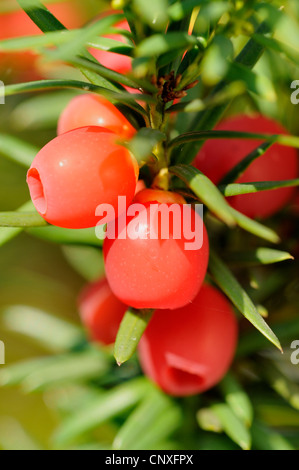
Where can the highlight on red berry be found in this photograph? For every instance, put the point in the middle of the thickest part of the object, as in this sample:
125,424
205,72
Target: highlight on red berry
189,350
160,257
76,172
100,311
218,156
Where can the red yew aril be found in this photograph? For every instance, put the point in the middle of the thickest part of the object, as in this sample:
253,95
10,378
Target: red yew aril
149,270
188,350
100,311
92,110
76,172
218,156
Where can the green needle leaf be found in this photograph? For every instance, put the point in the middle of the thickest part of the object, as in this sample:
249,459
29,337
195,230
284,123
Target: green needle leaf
254,227
231,287
286,140
17,150
66,236
155,419
266,439
45,85
259,256
36,325
75,367
280,383
206,191
84,36
130,332
47,22
108,405
237,189
232,425
41,16
239,169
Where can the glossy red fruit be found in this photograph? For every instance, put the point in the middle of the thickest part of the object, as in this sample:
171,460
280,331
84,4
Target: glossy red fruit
92,110
150,270
100,311
112,60
188,350
218,156
76,172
